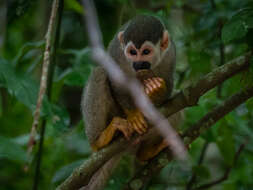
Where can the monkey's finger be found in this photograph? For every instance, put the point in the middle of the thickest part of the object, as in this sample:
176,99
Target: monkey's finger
137,128
143,122
154,83
150,88
140,126
157,82
145,81
160,79
147,90
151,83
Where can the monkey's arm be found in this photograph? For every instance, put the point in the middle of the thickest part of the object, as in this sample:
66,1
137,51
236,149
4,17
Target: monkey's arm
99,110
155,88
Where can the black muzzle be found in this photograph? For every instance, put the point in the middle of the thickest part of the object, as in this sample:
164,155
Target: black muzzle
141,65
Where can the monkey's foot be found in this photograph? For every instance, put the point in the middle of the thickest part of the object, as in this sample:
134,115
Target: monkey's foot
156,89
136,120
122,125
106,136
149,152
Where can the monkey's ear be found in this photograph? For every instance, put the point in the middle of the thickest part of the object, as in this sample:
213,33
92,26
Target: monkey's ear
165,40
120,37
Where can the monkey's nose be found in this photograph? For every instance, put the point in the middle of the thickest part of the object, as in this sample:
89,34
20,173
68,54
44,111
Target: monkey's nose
141,65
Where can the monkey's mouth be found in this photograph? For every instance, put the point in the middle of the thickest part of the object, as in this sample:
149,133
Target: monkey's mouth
141,65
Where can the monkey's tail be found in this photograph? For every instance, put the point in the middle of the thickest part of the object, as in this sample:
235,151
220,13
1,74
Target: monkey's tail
99,180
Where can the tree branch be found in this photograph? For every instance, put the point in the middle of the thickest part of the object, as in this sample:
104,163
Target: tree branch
155,165
226,173
49,89
44,75
96,160
201,158
190,95
187,97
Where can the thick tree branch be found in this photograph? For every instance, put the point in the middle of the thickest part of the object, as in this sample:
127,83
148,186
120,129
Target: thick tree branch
82,175
190,95
155,165
96,160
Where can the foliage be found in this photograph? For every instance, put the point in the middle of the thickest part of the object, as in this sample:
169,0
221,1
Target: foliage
200,29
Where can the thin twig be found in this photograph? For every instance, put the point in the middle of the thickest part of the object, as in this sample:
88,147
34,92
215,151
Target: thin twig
131,84
44,75
201,158
226,173
39,156
49,89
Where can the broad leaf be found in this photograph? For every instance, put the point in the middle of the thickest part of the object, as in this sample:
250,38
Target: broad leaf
11,150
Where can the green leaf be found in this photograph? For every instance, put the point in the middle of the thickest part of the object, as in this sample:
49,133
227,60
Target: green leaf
65,171
226,142
80,145
26,48
24,88
229,186
199,61
237,27
74,5
234,29
78,74
201,171
11,150
59,118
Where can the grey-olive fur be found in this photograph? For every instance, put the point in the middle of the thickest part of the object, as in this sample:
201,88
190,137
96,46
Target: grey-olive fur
103,99
150,28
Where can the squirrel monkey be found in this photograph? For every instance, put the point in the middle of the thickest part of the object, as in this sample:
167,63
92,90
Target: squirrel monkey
143,49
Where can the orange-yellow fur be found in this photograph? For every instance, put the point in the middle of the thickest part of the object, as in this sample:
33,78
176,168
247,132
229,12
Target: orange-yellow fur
155,88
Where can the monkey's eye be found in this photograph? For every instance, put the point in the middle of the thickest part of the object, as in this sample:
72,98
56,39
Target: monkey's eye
146,52
133,52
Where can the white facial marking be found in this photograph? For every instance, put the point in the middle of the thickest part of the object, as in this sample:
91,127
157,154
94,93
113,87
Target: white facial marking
126,47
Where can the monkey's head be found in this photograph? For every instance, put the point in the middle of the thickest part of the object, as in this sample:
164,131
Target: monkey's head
144,42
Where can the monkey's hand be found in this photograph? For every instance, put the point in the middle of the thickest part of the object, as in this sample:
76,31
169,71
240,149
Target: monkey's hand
156,89
136,121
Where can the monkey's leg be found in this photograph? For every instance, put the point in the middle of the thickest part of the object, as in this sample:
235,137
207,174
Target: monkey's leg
148,152
106,136
136,121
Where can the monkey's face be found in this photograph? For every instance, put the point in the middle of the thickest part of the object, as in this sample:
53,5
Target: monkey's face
148,55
